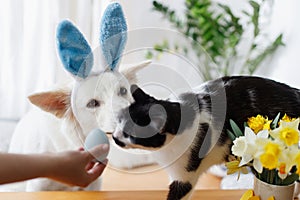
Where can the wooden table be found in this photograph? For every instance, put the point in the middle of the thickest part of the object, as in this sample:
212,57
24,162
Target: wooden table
120,195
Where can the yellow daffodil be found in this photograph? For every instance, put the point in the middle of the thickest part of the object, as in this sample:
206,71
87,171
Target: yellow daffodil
281,169
254,198
249,195
287,159
246,147
269,159
289,136
287,132
286,118
233,167
259,123
297,161
267,125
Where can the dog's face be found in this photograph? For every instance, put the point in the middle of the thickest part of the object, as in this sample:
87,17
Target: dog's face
98,98
93,101
141,125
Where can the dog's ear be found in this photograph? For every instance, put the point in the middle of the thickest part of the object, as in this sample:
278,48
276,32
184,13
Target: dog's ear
132,71
55,102
138,94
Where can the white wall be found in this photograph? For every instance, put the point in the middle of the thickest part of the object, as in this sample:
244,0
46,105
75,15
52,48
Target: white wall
286,65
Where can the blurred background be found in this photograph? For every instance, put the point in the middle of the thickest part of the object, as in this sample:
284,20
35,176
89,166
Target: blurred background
29,61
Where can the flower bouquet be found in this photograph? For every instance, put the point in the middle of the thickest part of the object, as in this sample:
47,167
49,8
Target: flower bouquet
268,147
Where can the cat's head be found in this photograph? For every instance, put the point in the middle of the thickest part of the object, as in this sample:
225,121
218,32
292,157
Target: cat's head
145,123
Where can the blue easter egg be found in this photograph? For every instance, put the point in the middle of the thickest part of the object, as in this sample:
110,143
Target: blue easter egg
94,138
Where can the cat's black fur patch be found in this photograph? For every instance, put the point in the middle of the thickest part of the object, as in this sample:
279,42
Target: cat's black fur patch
187,111
178,190
177,119
200,147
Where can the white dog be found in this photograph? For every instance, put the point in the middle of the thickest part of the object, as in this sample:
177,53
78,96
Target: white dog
68,115
63,124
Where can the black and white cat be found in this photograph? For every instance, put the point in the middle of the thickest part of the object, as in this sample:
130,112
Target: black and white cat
190,135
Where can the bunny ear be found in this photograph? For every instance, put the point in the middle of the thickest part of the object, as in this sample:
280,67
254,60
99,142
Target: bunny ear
113,34
74,51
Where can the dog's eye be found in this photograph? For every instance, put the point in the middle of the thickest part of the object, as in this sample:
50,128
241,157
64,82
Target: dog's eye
123,91
93,103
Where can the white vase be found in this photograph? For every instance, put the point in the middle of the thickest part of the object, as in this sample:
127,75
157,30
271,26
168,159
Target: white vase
265,190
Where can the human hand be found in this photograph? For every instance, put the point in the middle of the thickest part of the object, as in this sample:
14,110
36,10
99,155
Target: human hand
77,167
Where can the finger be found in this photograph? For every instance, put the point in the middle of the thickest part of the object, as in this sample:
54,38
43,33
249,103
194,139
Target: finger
98,150
81,149
96,171
90,165
104,162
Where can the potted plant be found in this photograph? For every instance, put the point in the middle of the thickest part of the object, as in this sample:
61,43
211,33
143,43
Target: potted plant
270,149
217,30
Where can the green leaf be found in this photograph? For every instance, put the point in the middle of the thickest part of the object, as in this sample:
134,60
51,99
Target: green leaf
158,48
231,135
169,14
255,17
162,47
275,122
278,41
236,130
149,55
226,8
254,63
246,13
290,179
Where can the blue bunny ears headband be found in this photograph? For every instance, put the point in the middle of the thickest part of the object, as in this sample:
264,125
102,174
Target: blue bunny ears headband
75,52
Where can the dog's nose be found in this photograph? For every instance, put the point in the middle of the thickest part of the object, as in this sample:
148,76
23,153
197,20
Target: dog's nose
118,142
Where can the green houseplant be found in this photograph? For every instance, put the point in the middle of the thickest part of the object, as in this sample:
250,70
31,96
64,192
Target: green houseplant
216,29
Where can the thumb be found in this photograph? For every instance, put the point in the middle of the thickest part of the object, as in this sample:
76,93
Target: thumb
98,150
96,171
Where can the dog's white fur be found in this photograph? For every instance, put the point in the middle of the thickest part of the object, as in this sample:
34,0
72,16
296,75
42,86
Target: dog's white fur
64,121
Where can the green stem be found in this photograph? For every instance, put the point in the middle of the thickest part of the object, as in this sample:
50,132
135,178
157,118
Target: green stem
272,177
